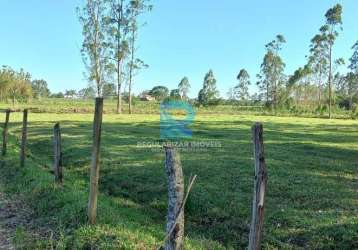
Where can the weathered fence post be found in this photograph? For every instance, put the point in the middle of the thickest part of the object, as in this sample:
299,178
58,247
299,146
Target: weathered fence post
259,188
23,139
57,167
175,219
5,132
95,165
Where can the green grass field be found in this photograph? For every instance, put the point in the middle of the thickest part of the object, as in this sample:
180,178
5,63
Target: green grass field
311,202
82,106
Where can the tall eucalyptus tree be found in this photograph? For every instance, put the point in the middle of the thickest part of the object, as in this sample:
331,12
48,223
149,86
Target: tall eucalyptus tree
94,46
209,92
117,29
272,71
241,90
134,10
352,77
354,59
330,33
184,87
318,62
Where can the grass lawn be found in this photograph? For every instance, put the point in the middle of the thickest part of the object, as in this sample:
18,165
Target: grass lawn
311,202
62,105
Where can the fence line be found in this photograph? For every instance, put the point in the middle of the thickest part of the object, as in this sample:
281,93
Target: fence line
176,201
5,132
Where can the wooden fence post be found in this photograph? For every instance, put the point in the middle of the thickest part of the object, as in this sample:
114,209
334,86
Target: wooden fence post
57,154
175,219
5,132
23,139
95,164
259,188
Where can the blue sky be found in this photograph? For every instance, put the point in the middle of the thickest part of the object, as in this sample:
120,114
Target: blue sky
181,38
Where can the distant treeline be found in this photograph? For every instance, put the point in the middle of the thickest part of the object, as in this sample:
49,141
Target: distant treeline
17,86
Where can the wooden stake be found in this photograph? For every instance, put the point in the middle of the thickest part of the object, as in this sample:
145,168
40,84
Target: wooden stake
5,132
57,166
23,139
259,188
95,164
175,217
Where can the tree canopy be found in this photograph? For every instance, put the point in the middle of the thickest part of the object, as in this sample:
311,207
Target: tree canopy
209,93
15,85
159,92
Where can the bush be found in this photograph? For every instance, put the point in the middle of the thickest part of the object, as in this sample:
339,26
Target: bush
344,103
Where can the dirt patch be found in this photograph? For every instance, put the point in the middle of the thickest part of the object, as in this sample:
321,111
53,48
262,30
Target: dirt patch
5,242
15,217
7,216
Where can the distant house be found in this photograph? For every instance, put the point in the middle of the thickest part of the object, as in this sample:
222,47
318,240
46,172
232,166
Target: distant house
75,96
147,98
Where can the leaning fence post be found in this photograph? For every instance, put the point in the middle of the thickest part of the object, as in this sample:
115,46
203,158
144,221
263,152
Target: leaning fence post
23,139
259,188
57,153
95,165
175,219
5,132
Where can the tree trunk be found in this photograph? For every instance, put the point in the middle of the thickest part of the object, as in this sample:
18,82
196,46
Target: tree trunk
57,167
119,61
130,99
175,218
320,85
95,164
131,74
330,83
275,96
119,100
5,132
259,189
119,85
23,139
